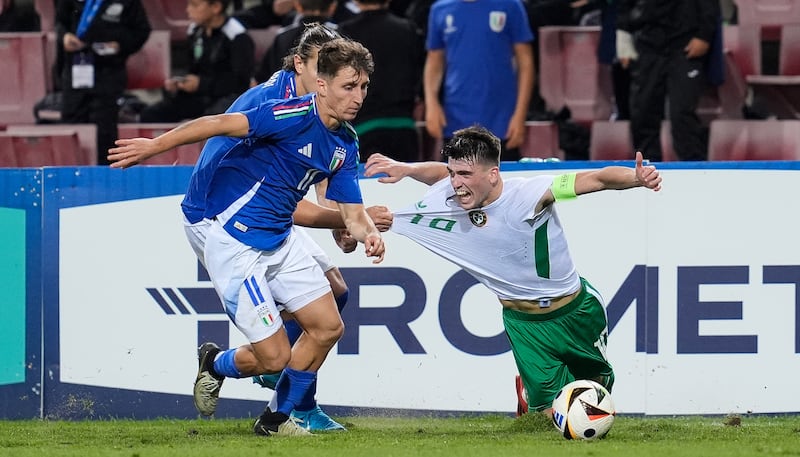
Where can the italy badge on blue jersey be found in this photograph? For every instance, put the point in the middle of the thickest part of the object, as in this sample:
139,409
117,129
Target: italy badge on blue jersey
338,159
497,21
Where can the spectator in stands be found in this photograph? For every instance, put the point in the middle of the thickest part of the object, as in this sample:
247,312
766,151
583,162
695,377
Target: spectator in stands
619,66
309,12
220,69
385,122
265,14
97,37
18,17
479,55
669,53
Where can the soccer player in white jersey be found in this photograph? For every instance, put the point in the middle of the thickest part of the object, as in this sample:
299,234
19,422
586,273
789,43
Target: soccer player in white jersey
555,320
251,255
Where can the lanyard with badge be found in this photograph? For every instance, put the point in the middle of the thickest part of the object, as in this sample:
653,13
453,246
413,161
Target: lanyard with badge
83,61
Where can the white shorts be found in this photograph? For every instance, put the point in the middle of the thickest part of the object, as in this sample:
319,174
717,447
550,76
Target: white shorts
196,234
250,281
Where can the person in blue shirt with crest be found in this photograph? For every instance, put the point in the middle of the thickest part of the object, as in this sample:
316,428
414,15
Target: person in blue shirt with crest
251,255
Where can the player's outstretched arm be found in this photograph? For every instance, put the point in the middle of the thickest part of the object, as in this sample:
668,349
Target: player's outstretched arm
363,229
619,178
425,172
613,177
132,151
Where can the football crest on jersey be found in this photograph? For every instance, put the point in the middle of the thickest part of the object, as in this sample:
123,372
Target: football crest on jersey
478,218
497,21
338,158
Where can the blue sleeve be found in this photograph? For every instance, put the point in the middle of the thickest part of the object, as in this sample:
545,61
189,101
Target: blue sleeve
434,37
343,184
262,122
520,28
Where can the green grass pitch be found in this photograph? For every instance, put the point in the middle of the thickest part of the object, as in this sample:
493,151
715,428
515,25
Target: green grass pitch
492,436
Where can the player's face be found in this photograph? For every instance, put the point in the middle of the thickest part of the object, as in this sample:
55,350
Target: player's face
475,184
345,93
306,72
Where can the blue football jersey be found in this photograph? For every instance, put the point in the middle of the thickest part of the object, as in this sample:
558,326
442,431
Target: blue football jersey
259,182
280,85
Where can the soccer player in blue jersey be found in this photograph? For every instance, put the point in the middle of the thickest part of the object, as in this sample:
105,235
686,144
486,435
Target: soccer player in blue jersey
251,253
298,77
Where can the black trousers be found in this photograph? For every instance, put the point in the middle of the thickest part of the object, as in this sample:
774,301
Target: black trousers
94,106
659,77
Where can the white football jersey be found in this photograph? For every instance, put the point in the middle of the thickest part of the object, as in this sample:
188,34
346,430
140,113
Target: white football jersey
517,254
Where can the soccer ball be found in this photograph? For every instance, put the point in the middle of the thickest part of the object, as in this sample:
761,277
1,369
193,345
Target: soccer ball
583,410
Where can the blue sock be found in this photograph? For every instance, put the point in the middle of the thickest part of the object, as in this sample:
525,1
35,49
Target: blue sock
291,388
341,300
225,366
309,400
293,331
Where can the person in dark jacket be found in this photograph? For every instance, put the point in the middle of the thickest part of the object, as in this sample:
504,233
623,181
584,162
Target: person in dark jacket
385,122
221,66
668,61
308,12
18,17
97,37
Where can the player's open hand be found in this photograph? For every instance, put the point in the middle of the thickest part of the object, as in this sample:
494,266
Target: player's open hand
647,175
381,217
131,151
380,164
374,247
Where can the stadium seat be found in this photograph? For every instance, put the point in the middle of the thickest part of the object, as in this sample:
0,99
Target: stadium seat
46,149
789,64
769,15
23,82
541,140
263,38
7,157
781,93
47,14
754,140
151,66
182,155
569,72
168,15
612,140
87,136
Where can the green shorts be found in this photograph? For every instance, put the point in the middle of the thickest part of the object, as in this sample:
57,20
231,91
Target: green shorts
559,347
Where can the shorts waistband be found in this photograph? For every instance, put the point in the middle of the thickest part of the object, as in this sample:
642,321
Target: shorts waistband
568,308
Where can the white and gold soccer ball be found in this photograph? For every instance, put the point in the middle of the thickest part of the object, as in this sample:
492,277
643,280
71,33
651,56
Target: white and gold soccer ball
583,410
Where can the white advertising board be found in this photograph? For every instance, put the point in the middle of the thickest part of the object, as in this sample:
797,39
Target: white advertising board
719,249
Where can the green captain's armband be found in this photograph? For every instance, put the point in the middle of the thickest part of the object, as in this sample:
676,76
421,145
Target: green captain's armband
563,187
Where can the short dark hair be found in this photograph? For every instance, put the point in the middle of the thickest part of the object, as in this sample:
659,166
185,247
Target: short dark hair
223,3
474,144
313,37
340,53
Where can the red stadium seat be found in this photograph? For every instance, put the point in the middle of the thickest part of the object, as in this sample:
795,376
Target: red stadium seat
754,140
168,15
23,82
150,67
182,155
263,38
47,149
612,140
47,14
87,136
541,140
789,64
7,157
769,15
569,72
